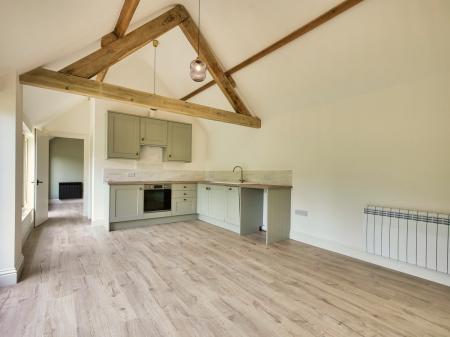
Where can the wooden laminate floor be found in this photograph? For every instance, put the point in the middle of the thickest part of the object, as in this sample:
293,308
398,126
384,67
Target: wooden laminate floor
193,279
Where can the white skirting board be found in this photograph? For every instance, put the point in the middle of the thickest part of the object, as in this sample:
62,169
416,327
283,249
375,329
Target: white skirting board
11,276
413,270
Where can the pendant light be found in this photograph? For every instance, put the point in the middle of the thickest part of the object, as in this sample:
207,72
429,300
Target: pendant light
198,67
155,45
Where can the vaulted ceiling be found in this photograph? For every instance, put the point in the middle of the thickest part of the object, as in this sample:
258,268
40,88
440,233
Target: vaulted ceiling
364,48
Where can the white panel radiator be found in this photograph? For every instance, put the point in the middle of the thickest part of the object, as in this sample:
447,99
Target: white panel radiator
414,237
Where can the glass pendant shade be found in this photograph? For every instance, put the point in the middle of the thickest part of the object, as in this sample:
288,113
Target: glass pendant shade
198,70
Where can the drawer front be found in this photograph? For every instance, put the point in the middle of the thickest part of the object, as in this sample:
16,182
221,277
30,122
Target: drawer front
184,194
184,187
183,206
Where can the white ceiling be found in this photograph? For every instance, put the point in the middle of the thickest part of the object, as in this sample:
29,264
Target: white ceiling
377,43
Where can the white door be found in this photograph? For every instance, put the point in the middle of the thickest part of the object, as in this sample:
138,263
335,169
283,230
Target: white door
41,177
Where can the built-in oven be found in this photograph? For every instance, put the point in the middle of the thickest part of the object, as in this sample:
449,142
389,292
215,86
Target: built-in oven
157,198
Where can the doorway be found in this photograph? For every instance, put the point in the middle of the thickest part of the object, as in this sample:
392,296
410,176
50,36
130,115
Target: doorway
61,174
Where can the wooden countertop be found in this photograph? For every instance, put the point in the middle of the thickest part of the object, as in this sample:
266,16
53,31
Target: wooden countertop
222,183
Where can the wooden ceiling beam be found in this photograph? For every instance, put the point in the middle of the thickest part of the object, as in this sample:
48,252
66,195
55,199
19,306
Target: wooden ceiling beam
126,14
49,79
106,56
325,17
123,22
227,86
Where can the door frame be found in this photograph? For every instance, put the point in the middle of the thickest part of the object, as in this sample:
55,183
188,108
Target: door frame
87,210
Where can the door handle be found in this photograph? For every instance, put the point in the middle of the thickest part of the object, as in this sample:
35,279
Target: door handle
39,182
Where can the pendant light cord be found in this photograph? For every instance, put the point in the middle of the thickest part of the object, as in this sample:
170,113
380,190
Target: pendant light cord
198,30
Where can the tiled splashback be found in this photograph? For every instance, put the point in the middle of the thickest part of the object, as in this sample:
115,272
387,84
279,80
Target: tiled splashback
281,177
267,177
152,175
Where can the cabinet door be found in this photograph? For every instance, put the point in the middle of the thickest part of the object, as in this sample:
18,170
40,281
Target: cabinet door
233,211
218,202
203,200
183,206
123,136
153,132
126,202
179,142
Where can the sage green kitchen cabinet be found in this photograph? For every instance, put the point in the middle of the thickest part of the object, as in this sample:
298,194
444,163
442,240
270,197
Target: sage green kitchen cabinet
126,202
183,206
153,132
233,210
184,199
123,136
218,202
179,144
219,205
203,199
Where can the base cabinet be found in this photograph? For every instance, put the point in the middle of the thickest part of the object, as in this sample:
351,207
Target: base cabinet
184,199
233,202
217,202
183,206
126,203
220,205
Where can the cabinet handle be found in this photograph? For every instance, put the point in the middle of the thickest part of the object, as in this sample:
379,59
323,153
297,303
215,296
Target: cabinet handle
142,138
184,193
170,156
137,153
140,188
184,199
229,189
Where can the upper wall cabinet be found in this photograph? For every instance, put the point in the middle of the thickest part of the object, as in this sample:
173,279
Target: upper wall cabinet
153,132
123,136
179,145
126,133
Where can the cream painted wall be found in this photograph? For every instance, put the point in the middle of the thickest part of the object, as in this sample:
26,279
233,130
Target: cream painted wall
388,147
11,257
151,158
360,117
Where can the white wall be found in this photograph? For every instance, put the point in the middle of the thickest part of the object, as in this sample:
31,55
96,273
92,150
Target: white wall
151,158
11,257
361,118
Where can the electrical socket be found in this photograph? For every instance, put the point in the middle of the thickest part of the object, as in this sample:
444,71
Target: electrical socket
301,212
131,174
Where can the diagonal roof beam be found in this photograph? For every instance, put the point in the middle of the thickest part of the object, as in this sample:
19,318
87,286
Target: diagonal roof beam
190,29
105,57
49,79
325,17
126,14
